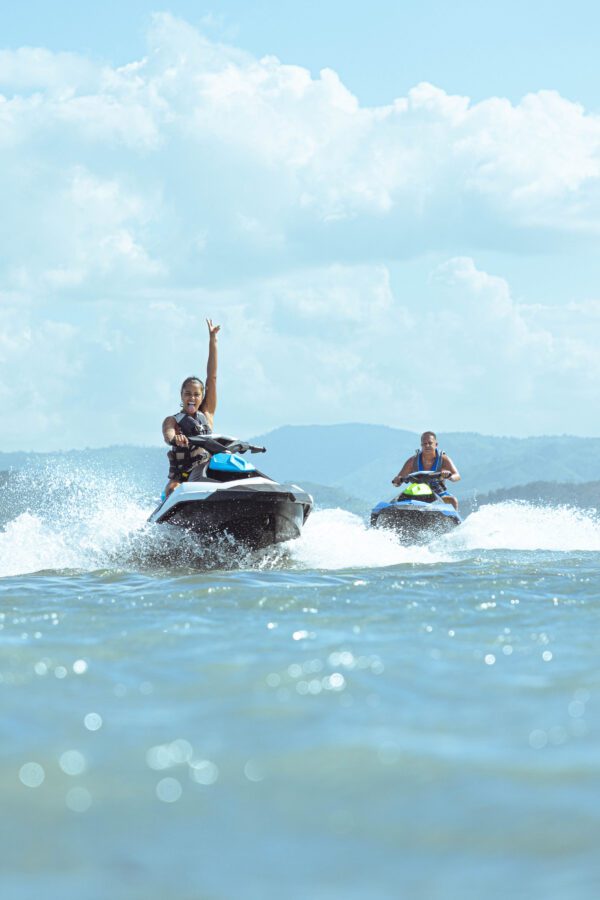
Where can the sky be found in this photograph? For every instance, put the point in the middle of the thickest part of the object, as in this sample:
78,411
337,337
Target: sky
393,212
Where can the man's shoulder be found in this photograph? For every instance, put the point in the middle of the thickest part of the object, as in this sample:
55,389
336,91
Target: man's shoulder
410,461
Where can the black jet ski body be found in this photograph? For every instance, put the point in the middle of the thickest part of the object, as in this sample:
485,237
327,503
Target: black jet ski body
227,496
418,514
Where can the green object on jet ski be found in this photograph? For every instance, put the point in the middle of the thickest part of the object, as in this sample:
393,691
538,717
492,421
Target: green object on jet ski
417,490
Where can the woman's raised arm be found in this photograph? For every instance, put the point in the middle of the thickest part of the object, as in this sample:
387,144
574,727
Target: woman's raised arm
209,404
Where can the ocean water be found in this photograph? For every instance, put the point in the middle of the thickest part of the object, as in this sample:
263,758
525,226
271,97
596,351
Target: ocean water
341,718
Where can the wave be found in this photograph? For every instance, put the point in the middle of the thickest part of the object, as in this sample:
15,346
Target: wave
337,539
57,520
518,525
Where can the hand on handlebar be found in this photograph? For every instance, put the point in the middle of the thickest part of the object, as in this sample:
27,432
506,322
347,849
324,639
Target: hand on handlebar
180,440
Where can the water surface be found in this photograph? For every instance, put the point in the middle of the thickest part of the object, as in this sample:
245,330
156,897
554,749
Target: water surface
343,718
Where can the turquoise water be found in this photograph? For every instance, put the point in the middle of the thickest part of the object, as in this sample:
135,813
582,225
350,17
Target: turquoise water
345,718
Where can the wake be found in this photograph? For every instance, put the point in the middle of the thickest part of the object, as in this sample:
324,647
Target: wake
90,521
518,525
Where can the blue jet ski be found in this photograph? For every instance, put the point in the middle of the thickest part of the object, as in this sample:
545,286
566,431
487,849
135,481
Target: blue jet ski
226,495
418,513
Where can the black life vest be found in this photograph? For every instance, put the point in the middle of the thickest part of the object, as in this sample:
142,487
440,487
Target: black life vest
181,459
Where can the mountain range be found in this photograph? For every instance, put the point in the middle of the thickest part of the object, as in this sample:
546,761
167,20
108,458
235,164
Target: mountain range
359,460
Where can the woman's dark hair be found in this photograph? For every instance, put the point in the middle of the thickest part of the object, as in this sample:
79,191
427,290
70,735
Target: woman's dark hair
190,380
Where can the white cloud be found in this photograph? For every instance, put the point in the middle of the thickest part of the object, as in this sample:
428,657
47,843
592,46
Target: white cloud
329,345
37,70
79,231
512,362
337,294
41,364
484,302
201,180
256,138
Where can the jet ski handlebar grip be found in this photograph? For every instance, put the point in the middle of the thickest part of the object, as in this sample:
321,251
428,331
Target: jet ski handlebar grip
243,447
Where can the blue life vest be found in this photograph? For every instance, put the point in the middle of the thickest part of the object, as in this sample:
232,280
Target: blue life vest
436,484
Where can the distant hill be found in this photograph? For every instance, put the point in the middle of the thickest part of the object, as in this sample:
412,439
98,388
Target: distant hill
585,495
358,460
362,459
326,497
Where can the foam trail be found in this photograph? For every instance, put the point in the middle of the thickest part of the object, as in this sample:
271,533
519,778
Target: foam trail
31,544
337,539
27,545
59,519
517,525
56,519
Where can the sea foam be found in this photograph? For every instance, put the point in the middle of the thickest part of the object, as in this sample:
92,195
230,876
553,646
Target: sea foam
517,525
337,539
56,519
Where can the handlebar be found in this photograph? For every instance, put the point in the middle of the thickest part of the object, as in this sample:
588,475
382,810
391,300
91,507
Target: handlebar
422,477
217,443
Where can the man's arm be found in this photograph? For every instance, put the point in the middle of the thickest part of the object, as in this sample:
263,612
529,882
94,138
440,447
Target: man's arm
449,471
406,469
209,404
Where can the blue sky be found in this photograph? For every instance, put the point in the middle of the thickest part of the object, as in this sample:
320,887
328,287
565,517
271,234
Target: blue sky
393,211
380,49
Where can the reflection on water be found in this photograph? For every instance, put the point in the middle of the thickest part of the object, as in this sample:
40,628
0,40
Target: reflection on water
341,717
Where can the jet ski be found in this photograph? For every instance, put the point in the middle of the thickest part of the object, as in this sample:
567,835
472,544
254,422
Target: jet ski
226,496
418,513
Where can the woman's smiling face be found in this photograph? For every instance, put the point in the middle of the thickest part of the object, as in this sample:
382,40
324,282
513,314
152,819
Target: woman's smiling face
192,395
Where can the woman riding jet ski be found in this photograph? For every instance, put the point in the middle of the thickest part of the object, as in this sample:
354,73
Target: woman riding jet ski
198,406
212,490
225,494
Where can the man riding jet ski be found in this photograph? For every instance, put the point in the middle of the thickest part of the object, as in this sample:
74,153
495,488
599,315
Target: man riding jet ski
423,506
418,513
225,494
430,459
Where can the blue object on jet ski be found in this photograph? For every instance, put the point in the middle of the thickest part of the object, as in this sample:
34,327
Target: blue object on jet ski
230,462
